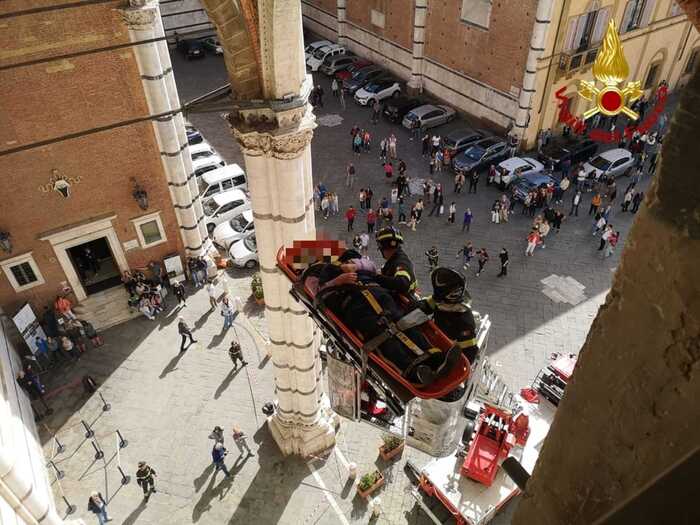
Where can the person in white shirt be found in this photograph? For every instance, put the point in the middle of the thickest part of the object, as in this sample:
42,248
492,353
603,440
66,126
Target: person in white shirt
211,290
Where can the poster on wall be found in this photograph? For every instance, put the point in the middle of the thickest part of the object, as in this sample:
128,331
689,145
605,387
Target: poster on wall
343,388
28,325
173,267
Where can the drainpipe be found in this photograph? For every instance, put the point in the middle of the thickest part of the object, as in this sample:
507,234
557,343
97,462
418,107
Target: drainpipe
341,21
539,35
420,15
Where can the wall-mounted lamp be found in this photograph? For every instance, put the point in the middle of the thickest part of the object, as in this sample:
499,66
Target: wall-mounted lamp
140,195
5,242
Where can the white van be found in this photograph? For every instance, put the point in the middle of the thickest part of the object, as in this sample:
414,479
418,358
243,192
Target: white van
313,46
224,207
231,177
322,53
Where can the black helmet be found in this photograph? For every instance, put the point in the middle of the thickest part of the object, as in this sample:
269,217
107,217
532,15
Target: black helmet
389,237
449,286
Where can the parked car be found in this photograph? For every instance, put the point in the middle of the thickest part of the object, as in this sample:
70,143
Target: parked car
459,140
191,48
322,53
428,116
345,74
223,207
193,135
529,182
244,252
512,169
395,109
202,166
481,154
575,150
334,63
202,151
313,46
612,163
219,180
226,233
212,44
378,89
361,77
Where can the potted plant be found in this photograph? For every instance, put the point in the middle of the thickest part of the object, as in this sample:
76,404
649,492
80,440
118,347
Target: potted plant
256,287
392,447
369,483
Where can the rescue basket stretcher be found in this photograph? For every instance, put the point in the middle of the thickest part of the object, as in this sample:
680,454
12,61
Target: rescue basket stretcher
351,343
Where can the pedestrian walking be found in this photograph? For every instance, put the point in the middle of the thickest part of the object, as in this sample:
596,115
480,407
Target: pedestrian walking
388,170
392,146
473,181
402,211
503,256
144,478
435,144
325,206
319,95
425,145
98,506
496,212
575,203
459,182
236,354
357,143
227,312
350,217
335,88
376,110
533,240
218,454
350,175
433,258
364,239
563,186
419,210
341,97
612,242
184,332
211,291
595,204
467,220
467,253
239,438
627,200
483,256
599,223
179,291
452,213
368,197
371,220
637,201
607,232
217,434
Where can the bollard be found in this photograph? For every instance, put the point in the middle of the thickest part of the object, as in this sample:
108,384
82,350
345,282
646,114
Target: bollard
98,453
125,478
352,470
70,509
122,442
59,473
88,431
105,406
59,446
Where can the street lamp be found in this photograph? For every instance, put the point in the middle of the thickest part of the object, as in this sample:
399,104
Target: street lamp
140,195
5,242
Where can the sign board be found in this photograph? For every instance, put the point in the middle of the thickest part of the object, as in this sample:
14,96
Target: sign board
131,245
343,388
174,268
28,325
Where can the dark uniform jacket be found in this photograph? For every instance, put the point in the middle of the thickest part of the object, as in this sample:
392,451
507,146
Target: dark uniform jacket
145,475
398,275
457,322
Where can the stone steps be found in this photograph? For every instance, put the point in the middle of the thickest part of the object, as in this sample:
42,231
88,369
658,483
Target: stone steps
106,309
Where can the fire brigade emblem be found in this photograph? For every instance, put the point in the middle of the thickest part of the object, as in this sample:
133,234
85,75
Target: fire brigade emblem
610,69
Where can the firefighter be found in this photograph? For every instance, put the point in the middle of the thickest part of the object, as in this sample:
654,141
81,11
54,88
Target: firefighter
144,477
397,273
450,306
433,257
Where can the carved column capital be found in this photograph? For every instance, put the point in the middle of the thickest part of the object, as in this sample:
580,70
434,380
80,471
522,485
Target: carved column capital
140,15
263,144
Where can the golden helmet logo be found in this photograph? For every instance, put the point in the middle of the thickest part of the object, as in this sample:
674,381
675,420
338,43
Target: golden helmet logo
610,69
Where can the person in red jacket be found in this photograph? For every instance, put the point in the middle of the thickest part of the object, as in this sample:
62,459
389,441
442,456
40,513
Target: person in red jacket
371,220
350,217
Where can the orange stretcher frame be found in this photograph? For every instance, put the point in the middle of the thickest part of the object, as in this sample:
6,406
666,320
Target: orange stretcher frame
441,387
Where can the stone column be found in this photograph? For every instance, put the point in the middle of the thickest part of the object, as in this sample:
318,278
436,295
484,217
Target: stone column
275,137
420,17
144,23
341,21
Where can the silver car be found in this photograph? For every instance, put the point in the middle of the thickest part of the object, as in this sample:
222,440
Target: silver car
428,116
609,164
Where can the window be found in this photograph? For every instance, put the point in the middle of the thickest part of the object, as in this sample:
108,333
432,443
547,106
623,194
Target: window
675,9
149,229
637,15
377,18
22,272
586,30
650,81
692,61
477,12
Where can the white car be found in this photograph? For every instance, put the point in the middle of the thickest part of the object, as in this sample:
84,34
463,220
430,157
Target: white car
377,90
513,168
610,164
237,228
224,207
313,46
205,164
204,151
322,53
244,252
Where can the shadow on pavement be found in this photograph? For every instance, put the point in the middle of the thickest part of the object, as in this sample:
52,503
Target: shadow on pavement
134,516
172,365
219,491
226,382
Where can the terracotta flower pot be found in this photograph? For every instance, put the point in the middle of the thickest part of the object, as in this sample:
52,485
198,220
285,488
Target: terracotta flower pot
387,455
260,300
377,484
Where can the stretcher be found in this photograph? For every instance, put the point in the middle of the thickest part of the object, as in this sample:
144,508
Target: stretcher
345,341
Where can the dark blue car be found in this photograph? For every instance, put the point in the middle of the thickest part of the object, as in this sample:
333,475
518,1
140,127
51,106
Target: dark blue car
530,181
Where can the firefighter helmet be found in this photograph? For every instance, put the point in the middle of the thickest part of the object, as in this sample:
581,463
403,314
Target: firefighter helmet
449,286
389,237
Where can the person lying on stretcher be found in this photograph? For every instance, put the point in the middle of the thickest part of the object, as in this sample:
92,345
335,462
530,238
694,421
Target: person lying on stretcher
350,290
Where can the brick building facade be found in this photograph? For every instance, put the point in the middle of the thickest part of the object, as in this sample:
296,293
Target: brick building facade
51,112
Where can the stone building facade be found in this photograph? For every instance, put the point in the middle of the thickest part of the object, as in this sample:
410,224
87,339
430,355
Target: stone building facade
76,143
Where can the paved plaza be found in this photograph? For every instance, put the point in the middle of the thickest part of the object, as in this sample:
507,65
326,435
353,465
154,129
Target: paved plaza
165,404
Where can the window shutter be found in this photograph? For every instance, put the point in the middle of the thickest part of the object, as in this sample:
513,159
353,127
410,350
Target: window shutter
580,28
570,32
647,13
627,17
601,24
